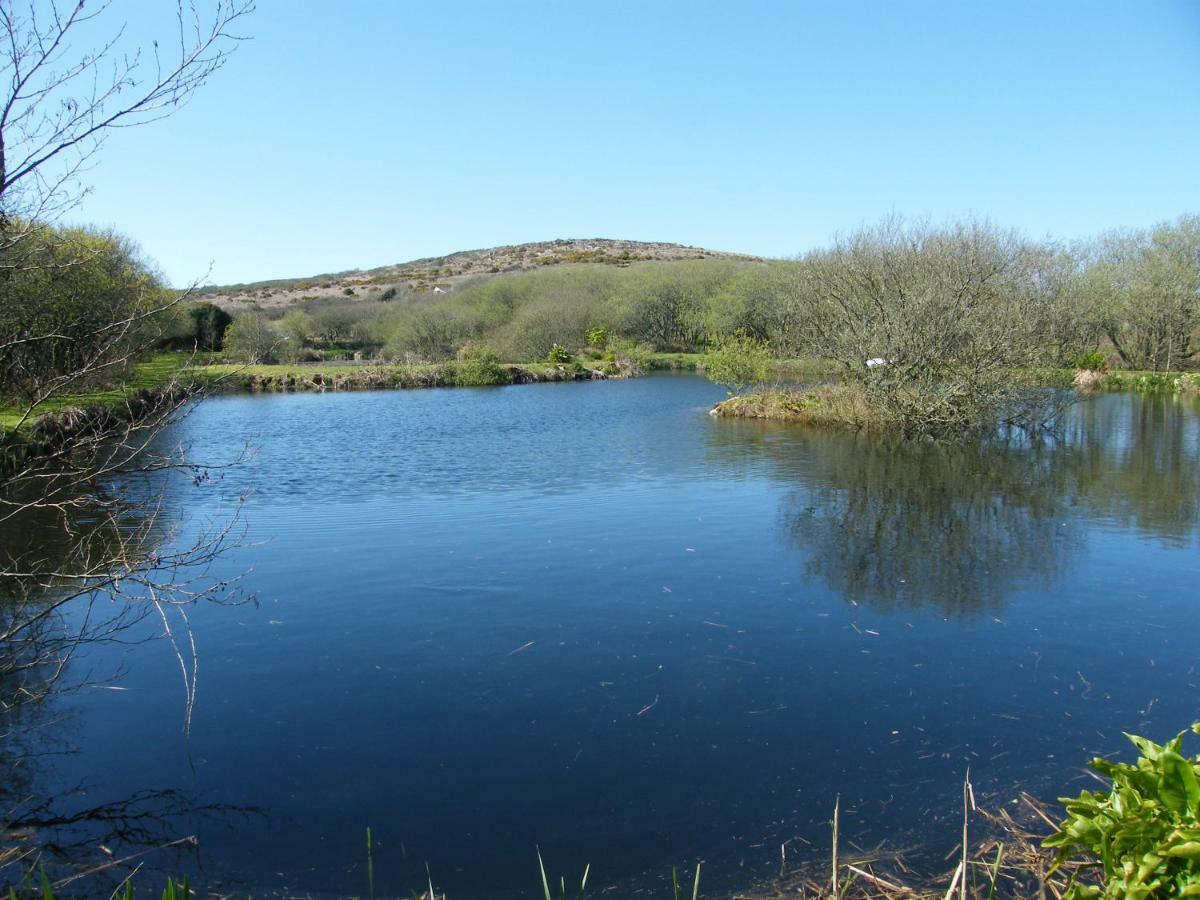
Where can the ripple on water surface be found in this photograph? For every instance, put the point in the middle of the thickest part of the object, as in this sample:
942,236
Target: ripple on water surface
592,618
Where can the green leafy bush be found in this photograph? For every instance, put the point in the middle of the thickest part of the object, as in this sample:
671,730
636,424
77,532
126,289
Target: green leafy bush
738,362
1145,831
1139,381
73,303
559,354
478,367
597,336
1091,362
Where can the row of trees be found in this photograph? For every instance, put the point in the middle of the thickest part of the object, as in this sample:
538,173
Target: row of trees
1134,295
1140,288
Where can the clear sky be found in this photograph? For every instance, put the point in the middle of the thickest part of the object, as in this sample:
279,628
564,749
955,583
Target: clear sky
363,133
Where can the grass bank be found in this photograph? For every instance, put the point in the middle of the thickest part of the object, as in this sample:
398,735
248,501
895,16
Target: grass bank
843,406
365,377
1147,382
165,370
830,405
172,376
822,405
152,374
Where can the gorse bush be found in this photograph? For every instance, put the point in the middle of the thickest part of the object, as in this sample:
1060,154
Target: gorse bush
1145,831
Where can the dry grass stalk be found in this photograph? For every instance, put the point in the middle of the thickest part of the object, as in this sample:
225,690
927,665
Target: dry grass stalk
1010,853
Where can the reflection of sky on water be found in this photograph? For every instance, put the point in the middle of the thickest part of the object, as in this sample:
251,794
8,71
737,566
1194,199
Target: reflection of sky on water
718,626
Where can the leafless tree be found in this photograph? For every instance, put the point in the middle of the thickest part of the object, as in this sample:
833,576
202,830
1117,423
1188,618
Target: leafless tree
86,522
936,325
59,103
1143,287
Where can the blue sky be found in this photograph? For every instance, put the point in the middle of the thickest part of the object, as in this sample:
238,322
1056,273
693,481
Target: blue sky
390,130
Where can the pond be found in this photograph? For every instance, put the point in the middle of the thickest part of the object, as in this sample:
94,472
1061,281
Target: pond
591,618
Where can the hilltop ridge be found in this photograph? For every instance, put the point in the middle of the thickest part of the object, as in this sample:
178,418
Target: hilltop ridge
444,273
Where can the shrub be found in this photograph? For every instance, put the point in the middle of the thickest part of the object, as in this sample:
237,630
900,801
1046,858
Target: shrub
955,314
299,326
209,322
1134,381
597,336
251,338
1188,384
389,294
738,362
559,354
1145,831
633,358
349,292
478,367
72,301
1091,362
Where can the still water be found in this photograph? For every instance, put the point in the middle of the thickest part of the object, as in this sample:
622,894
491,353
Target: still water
592,618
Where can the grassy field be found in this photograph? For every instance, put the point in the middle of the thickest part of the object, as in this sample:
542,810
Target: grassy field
150,374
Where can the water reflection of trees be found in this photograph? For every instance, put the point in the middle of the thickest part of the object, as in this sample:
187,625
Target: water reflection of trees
64,588
959,528
1143,462
902,525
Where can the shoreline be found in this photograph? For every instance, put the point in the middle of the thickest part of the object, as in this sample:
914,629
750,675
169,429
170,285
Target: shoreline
819,403
836,406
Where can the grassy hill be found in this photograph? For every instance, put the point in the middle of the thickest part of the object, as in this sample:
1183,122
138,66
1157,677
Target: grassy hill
450,272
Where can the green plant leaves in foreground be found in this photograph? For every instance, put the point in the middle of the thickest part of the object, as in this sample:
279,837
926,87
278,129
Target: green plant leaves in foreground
1145,831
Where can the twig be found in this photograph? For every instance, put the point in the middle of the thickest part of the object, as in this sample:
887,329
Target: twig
877,881
837,804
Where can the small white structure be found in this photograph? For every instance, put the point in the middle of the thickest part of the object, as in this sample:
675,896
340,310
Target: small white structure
438,290
878,361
